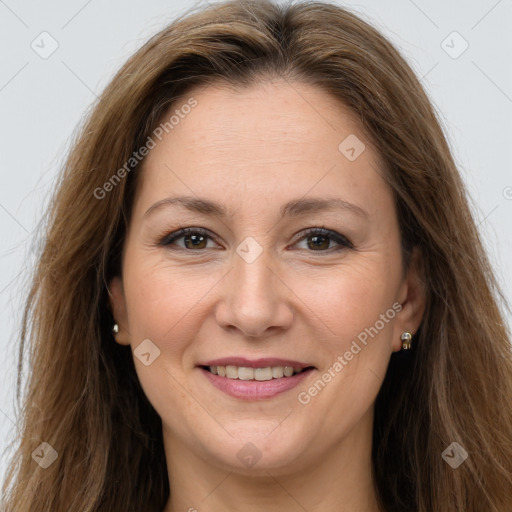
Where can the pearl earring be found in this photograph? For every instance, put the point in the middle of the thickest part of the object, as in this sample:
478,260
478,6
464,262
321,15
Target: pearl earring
406,340
115,329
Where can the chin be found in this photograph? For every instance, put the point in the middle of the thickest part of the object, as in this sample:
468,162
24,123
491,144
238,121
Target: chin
257,451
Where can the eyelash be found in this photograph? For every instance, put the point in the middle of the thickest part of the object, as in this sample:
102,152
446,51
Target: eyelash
343,242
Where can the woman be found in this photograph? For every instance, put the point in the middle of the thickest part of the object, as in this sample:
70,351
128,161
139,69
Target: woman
262,288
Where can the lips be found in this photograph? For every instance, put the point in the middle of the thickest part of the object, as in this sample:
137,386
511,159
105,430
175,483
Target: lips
255,379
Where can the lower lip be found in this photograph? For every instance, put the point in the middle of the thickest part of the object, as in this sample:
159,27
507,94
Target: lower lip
254,389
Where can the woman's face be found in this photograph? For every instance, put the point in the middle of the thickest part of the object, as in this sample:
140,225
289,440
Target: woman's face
249,287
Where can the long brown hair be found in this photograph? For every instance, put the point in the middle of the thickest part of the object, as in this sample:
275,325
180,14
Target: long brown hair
83,397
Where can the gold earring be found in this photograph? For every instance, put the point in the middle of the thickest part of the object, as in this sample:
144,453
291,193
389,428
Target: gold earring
406,340
115,329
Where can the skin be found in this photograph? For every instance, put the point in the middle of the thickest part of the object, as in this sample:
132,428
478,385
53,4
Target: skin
253,150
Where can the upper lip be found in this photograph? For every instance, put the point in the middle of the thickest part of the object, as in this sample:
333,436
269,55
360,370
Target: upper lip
255,363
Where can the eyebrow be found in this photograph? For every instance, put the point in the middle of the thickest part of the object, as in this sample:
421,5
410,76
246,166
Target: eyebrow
293,208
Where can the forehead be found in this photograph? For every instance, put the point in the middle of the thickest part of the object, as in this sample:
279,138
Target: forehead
270,135
278,113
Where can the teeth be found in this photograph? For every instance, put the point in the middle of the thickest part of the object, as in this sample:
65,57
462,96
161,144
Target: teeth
243,373
263,373
260,374
288,371
277,372
231,372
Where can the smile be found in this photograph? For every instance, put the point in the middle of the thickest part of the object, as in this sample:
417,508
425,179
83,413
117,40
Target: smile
252,384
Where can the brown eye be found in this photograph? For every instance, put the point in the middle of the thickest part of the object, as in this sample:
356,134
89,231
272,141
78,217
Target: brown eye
320,240
193,238
195,241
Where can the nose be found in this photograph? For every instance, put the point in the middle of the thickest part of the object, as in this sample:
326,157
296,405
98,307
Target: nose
256,300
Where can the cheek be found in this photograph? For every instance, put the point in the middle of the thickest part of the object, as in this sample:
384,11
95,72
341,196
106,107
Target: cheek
164,306
355,315
163,302
350,299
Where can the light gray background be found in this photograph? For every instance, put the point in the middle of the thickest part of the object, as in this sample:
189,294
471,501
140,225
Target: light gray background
43,100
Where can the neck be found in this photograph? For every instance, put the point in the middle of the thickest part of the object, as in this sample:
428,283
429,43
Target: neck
337,480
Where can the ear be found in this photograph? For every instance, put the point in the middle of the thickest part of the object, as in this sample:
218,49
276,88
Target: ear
412,298
118,306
